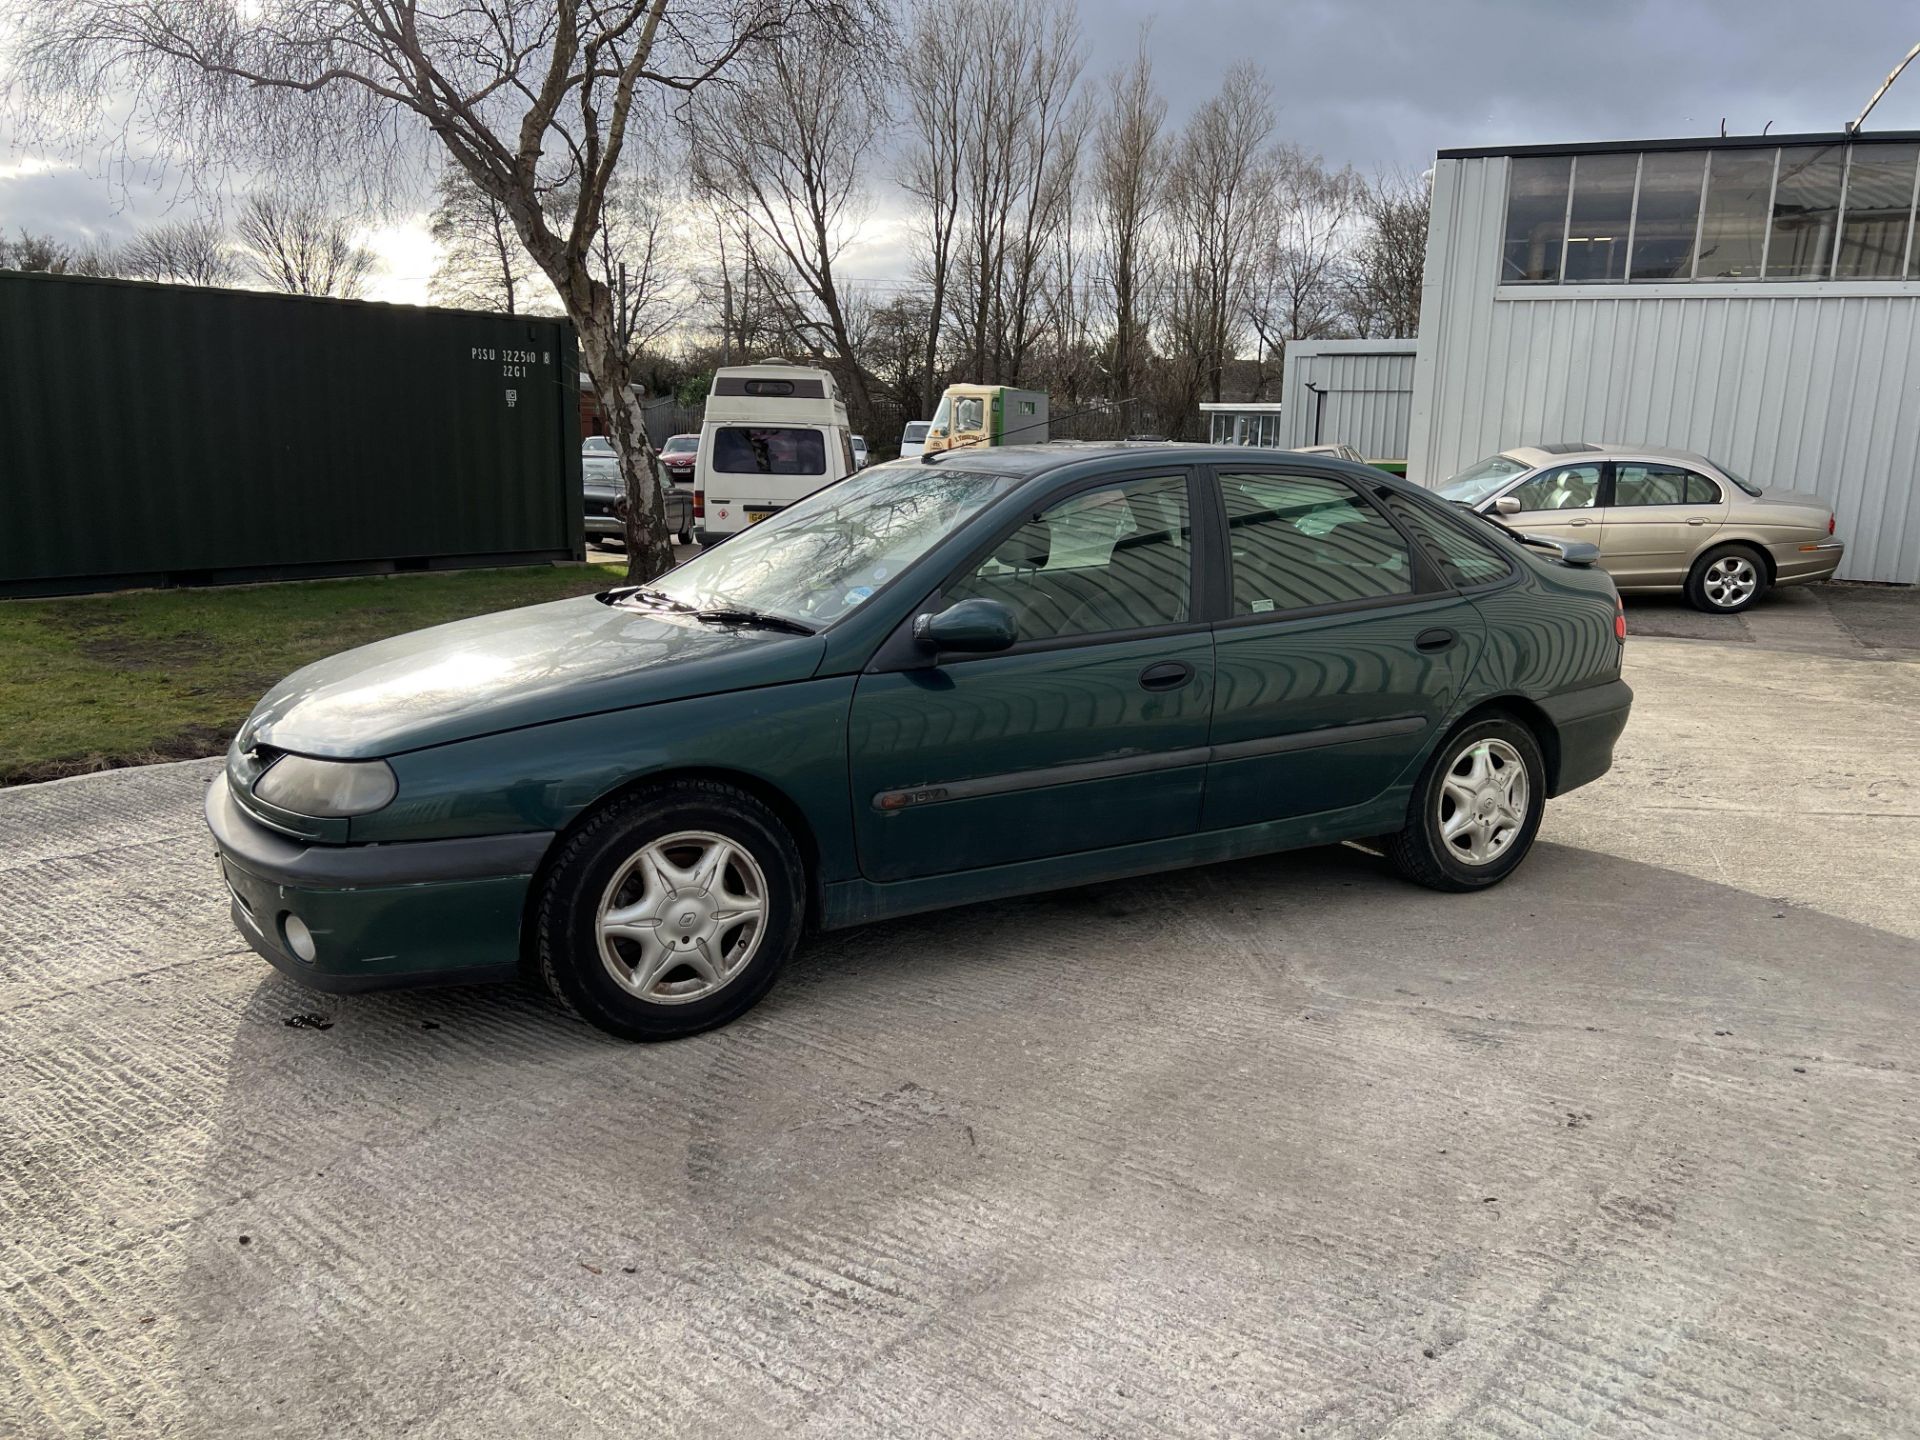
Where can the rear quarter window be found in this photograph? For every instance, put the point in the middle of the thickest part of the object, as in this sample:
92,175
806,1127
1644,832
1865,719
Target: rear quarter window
1466,560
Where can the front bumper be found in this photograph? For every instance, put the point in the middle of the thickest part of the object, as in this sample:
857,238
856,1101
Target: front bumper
1587,723
1804,564
434,912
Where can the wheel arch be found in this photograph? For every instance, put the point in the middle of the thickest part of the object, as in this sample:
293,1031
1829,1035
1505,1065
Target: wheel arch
1525,712
767,793
1745,542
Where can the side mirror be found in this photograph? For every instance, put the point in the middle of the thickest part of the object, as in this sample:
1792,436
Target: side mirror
1507,505
972,627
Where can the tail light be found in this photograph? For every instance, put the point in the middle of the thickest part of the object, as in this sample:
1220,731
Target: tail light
699,504
1830,522
1619,619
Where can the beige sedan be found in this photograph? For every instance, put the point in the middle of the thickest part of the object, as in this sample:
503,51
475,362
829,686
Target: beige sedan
1663,520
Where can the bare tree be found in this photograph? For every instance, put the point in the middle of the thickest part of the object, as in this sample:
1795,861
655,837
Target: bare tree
1388,265
183,252
1128,193
481,265
937,110
45,255
1219,201
528,97
785,151
1300,280
1020,144
299,248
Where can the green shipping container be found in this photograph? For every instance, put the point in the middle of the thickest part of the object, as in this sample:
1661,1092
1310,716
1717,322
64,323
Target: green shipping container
168,434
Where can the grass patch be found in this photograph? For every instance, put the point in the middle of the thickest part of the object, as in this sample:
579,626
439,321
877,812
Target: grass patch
103,680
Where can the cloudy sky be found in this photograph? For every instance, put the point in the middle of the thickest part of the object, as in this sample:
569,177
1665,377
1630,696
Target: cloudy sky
1379,84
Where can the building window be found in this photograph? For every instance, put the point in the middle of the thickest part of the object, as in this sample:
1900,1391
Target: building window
1879,213
1599,218
1666,222
1536,218
1798,212
1806,212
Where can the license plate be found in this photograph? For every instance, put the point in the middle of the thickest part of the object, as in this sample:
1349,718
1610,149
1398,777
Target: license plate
754,517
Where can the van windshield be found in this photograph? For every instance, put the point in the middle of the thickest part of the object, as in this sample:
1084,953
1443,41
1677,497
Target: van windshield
942,413
826,555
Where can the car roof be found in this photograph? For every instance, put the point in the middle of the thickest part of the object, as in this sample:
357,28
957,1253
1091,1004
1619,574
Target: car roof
1537,455
1032,461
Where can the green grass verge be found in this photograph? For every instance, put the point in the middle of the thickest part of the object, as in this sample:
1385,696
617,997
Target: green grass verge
104,680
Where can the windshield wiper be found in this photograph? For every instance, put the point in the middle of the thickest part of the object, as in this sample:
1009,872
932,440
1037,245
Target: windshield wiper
741,615
638,595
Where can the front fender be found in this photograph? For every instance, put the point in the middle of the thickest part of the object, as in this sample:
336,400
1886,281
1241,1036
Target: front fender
791,738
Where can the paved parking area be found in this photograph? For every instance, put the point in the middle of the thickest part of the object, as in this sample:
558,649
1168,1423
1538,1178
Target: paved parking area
1628,1147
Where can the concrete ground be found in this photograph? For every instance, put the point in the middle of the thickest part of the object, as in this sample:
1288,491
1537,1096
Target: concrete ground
1629,1146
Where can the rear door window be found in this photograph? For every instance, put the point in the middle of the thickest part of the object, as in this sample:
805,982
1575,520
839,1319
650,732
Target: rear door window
1301,541
768,450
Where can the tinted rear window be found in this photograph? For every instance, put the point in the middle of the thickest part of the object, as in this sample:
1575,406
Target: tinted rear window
768,450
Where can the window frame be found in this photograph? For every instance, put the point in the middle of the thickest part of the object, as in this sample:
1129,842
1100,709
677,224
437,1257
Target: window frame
1907,281
1429,582
1037,506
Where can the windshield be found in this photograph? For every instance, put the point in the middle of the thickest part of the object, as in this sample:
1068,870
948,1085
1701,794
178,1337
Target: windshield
824,556
680,445
916,432
596,445
1481,479
941,413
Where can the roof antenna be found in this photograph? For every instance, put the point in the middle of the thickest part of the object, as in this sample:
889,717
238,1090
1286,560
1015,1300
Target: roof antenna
1853,126
1723,127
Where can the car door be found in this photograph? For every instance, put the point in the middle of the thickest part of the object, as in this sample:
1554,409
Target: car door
1659,516
1090,731
1341,650
1564,503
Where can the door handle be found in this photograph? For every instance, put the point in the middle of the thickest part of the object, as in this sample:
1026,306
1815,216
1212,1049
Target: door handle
1167,675
1696,520
1579,522
1430,640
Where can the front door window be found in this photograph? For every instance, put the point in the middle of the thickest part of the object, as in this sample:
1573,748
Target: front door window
1571,487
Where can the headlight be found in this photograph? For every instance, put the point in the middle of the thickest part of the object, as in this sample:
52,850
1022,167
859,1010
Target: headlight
326,789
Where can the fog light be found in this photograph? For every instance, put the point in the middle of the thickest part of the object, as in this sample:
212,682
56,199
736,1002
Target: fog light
299,938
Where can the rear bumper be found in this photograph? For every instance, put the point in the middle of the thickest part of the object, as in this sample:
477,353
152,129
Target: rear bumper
1804,564
439,912
1587,723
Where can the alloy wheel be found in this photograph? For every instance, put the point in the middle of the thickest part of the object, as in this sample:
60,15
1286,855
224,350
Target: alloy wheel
1482,805
1730,582
682,917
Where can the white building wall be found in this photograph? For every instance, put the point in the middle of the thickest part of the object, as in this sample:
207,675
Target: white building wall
1806,386
1368,386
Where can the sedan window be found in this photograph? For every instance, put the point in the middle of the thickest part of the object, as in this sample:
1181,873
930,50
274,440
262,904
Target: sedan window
1300,541
1636,484
1117,558
1465,560
1571,487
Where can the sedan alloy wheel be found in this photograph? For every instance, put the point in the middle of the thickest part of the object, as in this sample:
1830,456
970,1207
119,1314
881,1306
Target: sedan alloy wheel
682,917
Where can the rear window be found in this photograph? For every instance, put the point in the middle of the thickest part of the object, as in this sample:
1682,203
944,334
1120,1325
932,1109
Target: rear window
768,450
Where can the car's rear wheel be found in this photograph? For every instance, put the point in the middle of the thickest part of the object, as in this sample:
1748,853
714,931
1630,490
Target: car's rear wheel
1476,809
671,911
1727,579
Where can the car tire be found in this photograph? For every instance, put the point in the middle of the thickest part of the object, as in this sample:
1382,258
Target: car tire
638,927
1498,831
1727,579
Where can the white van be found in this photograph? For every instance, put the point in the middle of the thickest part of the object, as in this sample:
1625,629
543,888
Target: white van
773,433
913,439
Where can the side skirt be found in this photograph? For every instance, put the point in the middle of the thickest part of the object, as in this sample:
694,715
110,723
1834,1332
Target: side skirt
858,902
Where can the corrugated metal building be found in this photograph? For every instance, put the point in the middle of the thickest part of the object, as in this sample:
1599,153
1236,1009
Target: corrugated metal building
1754,299
1349,392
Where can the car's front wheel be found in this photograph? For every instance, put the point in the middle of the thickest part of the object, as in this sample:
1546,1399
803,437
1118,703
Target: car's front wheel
671,911
1476,809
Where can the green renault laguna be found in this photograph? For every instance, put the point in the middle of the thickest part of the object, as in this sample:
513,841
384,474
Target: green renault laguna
936,682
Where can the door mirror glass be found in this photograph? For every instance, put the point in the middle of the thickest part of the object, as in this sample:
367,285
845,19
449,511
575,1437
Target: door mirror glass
1507,505
972,627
